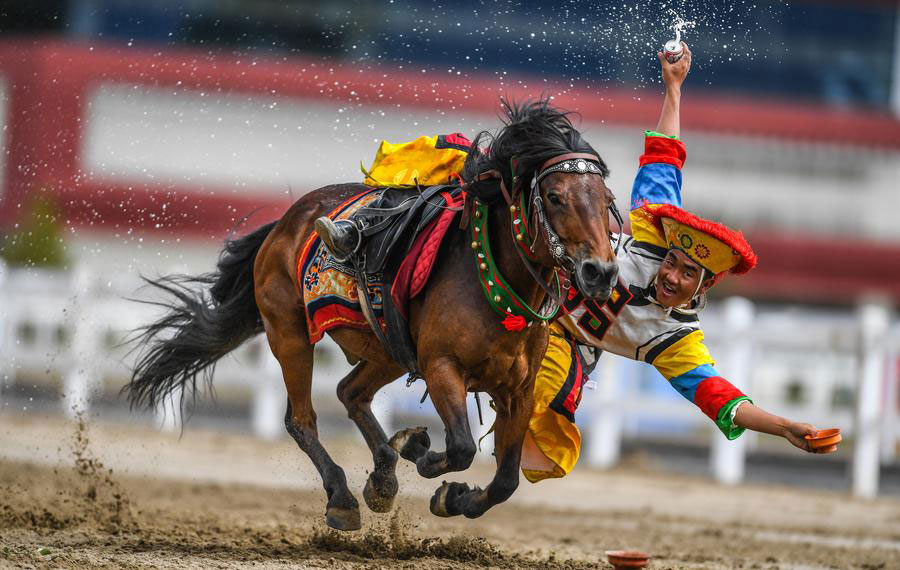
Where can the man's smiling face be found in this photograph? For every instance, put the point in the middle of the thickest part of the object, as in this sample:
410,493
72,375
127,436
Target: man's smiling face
678,278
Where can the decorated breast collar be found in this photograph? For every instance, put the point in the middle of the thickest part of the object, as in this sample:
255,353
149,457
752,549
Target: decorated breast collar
499,294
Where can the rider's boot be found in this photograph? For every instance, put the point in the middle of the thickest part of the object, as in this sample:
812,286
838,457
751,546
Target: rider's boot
342,238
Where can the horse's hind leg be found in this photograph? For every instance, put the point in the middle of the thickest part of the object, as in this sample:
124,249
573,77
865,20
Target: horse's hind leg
356,391
288,339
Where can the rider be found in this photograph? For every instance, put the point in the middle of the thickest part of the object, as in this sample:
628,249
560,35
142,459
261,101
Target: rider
666,267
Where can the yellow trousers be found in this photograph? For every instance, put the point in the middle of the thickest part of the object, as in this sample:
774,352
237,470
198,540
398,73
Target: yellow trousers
553,442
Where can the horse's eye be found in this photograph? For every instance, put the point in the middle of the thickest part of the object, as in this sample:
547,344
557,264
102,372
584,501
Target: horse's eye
554,199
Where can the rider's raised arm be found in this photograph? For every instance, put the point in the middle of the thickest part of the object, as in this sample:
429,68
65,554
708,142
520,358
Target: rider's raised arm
658,180
673,75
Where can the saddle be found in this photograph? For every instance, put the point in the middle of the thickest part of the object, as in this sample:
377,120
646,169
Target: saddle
404,224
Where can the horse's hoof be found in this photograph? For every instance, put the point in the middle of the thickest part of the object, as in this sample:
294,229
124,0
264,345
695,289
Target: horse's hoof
411,443
379,495
341,518
444,502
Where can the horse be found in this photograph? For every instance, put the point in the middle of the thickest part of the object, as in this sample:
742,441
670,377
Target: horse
462,345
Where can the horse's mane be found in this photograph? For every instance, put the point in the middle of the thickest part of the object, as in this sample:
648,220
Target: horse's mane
532,133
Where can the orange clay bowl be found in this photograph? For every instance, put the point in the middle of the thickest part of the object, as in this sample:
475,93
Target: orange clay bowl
825,438
627,558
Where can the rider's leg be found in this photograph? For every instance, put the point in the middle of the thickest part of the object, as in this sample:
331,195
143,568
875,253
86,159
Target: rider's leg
341,237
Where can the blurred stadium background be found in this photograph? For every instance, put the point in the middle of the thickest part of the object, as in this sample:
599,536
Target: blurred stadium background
137,135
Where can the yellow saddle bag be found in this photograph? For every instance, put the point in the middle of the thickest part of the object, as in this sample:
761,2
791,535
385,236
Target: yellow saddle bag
427,161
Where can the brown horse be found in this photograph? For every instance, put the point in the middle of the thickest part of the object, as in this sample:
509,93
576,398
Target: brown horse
461,344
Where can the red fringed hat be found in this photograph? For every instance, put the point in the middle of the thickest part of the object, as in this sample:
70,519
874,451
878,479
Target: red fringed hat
711,245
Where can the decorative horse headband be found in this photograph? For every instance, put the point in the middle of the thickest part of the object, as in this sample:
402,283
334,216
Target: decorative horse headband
573,162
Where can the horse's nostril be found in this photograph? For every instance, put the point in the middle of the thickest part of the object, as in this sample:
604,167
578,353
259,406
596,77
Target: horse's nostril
590,271
595,273
612,271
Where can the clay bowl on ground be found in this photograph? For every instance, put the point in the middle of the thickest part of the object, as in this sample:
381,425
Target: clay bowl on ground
825,440
622,559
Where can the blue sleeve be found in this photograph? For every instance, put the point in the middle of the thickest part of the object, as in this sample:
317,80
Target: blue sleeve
658,180
656,183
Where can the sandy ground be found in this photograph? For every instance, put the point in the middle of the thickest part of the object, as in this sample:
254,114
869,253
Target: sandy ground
121,496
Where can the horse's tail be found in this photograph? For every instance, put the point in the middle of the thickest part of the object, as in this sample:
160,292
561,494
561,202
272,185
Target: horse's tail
198,329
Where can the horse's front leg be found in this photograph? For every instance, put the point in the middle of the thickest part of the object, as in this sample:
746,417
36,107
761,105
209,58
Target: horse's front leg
512,422
447,389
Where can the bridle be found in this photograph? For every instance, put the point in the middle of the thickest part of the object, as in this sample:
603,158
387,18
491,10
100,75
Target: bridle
570,163
527,226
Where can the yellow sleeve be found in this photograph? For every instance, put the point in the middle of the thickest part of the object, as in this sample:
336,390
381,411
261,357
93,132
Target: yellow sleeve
683,356
643,229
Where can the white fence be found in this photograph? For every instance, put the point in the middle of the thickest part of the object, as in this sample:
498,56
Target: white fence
70,328
829,368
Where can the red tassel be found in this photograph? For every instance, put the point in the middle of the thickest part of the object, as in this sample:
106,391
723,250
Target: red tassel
572,292
514,322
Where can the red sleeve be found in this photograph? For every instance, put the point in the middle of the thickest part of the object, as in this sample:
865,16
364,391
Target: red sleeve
663,149
713,393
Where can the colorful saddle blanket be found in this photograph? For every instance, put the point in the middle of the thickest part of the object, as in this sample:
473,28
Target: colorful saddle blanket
329,286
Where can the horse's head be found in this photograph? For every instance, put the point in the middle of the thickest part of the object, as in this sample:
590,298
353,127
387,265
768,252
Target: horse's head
556,181
572,207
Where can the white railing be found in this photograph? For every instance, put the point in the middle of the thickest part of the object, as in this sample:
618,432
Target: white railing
70,328
67,327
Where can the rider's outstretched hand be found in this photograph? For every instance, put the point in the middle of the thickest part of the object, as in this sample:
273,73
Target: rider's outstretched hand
753,417
796,432
673,74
